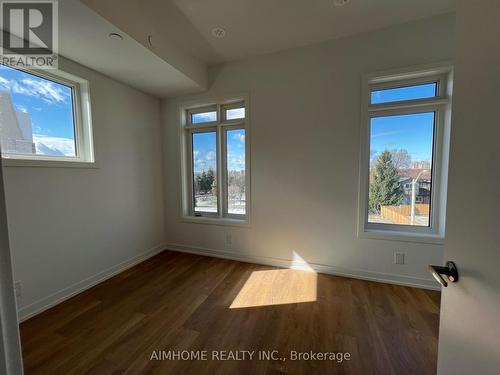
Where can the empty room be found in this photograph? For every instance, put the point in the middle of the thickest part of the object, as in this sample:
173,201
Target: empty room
249,187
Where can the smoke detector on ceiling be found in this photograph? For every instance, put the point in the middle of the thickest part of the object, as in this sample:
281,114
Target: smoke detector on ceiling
340,3
218,32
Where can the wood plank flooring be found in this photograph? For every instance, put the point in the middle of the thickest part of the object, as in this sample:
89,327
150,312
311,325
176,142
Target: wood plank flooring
176,302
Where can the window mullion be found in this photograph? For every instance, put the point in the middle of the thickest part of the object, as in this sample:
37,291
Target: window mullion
220,171
190,170
224,191
405,110
407,105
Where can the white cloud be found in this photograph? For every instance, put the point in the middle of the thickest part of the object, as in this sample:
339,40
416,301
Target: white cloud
204,161
46,145
21,108
45,90
235,113
204,117
237,163
239,136
4,82
387,133
210,156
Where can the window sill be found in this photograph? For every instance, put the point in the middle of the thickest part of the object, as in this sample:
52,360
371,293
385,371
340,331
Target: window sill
216,221
8,162
388,235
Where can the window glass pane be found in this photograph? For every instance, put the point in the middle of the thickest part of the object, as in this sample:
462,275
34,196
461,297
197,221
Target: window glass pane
428,90
401,149
36,115
236,198
205,172
235,113
199,118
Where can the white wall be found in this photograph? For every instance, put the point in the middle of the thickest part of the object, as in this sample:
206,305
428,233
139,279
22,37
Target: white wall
305,133
469,336
70,227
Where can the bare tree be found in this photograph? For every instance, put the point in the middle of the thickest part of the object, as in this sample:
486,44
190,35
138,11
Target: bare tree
401,159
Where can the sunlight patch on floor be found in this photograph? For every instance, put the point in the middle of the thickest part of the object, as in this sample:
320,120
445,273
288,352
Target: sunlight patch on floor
277,287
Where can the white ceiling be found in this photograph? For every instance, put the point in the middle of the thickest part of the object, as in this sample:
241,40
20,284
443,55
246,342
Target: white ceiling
83,37
182,46
262,26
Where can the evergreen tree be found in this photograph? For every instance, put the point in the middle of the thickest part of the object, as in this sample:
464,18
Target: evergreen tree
205,181
210,180
203,185
198,183
385,189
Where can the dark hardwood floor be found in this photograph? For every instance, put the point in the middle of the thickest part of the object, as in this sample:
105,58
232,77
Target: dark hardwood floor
175,302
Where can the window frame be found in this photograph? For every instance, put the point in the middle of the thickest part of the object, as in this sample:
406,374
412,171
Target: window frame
442,74
82,125
220,127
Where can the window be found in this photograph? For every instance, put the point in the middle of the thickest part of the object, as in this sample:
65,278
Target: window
399,146
404,164
235,113
215,163
235,171
44,116
201,117
204,162
397,94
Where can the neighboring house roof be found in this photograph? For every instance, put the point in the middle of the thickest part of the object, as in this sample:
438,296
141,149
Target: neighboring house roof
413,173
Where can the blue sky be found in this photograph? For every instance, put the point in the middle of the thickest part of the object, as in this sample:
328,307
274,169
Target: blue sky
411,132
48,102
427,90
231,114
204,150
199,118
236,150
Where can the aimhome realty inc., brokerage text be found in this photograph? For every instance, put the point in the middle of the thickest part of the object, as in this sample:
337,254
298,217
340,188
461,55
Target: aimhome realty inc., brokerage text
247,355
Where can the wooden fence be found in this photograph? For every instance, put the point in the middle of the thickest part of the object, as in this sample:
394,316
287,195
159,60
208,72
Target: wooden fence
401,214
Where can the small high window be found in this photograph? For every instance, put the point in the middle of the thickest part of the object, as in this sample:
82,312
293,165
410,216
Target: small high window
404,93
235,113
201,117
44,116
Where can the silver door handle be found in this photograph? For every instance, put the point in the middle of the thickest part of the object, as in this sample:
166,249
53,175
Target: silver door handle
449,270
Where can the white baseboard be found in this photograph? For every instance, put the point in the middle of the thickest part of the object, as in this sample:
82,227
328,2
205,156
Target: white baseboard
47,302
321,268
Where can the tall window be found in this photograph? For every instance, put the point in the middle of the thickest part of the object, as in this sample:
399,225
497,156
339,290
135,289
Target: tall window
215,163
403,164
43,117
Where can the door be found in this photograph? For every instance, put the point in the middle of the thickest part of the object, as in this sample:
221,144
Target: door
469,336
10,353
